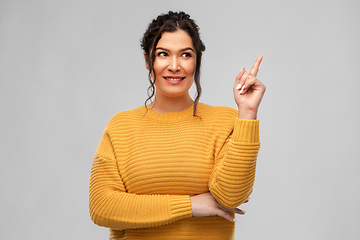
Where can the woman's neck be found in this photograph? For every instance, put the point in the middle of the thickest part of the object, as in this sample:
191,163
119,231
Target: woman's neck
162,104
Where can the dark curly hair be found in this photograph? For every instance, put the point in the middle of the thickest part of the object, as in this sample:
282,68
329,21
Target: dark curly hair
171,22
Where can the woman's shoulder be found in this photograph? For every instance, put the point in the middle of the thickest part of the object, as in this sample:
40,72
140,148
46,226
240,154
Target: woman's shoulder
127,116
220,118
217,111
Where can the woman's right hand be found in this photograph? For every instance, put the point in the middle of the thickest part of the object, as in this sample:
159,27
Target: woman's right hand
204,205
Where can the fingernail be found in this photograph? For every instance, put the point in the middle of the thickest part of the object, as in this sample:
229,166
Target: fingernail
242,89
238,86
242,69
234,220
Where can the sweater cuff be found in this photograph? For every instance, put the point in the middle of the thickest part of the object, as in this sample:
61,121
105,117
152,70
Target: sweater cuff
180,206
246,131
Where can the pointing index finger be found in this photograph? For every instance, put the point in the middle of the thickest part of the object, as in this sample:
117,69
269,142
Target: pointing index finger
255,68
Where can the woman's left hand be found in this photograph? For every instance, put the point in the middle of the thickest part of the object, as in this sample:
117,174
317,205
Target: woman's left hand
248,91
204,205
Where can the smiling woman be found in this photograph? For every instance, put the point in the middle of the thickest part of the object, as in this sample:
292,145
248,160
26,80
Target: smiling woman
172,23
174,70
177,168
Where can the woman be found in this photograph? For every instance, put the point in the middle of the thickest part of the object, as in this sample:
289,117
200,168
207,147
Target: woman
177,168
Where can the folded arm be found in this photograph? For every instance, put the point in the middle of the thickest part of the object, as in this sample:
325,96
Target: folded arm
232,179
111,206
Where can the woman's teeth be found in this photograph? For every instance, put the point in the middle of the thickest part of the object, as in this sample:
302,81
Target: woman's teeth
174,79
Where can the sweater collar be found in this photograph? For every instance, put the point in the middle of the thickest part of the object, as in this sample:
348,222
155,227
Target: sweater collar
171,116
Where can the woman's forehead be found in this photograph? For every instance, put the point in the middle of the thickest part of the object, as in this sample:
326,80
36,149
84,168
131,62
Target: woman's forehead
175,40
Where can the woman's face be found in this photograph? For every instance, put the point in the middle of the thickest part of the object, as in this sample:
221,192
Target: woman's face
174,64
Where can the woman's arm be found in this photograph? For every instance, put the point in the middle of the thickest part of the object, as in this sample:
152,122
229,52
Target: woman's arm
232,179
111,206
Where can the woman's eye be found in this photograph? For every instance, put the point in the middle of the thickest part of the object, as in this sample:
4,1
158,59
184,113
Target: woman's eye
186,55
162,54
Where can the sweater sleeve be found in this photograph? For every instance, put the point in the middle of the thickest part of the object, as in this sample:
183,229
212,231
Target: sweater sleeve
111,206
232,179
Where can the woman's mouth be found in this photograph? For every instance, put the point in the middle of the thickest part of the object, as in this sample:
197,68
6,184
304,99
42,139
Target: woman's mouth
174,78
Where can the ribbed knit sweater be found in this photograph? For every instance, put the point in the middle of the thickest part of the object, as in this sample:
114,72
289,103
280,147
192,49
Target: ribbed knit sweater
147,166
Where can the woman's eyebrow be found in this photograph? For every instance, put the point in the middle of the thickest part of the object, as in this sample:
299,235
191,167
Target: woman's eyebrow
185,49
160,48
181,50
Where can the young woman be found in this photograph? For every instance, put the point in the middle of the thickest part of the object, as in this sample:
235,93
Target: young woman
177,168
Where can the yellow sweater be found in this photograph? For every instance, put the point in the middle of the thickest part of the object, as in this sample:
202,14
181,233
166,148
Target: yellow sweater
147,166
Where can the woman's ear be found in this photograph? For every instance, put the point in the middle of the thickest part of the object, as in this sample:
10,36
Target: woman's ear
146,62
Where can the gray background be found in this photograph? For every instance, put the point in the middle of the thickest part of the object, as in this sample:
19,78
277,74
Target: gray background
67,66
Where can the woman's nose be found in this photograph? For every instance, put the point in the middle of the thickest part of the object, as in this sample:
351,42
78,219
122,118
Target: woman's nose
174,65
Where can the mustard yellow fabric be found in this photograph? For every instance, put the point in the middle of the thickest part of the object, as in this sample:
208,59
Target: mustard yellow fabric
147,166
